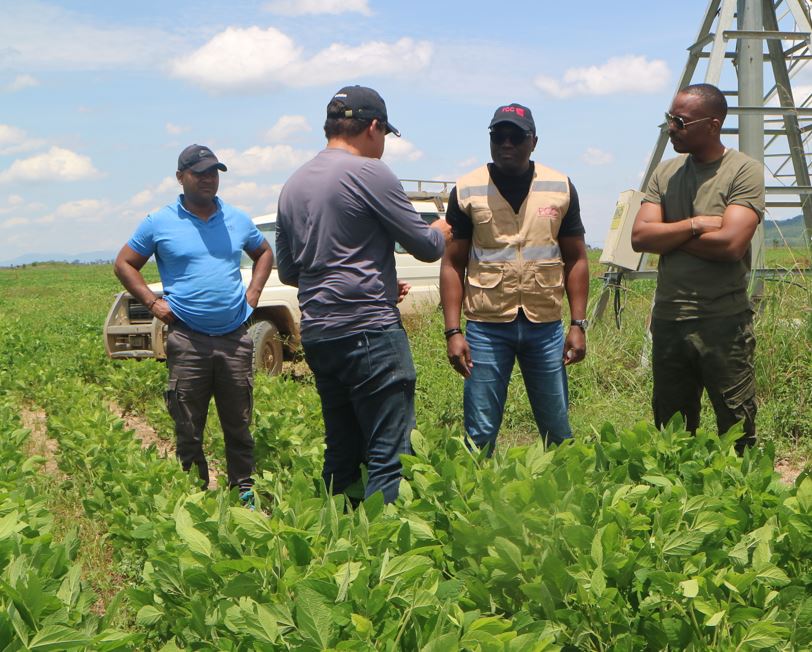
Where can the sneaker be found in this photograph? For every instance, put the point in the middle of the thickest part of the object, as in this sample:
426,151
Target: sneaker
247,499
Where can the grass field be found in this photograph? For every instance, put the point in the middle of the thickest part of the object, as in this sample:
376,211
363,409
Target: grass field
625,537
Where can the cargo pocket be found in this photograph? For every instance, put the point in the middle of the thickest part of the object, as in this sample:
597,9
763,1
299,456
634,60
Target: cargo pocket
250,386
171,399
550,276
484,293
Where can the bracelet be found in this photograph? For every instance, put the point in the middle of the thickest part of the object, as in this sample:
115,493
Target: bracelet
451,332
693,230
152,303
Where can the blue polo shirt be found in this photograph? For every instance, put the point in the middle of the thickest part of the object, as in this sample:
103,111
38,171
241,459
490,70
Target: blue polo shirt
199,263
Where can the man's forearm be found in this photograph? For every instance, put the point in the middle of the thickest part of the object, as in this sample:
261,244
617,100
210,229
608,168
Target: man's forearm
134,283
261,270
661,237
576,285
452,289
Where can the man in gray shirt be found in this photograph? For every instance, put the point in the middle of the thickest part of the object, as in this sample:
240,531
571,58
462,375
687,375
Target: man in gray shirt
339,217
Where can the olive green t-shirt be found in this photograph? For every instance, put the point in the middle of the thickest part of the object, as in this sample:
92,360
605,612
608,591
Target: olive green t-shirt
689,287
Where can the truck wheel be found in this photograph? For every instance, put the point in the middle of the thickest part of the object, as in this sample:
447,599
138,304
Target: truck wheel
267,347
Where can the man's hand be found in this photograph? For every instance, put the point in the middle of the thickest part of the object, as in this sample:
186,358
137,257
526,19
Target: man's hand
162,311
459,355
574,346
403,290
443,227
706,223
252,296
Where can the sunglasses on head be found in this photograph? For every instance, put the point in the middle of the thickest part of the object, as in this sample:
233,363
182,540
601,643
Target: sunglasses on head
515,137
680,123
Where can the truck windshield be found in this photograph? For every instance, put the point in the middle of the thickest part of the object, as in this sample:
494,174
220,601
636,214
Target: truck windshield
269,231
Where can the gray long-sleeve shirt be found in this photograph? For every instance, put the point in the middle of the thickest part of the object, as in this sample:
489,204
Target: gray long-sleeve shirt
338,220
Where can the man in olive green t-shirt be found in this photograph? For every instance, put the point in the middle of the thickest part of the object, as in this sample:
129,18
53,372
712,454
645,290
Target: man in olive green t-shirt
700,213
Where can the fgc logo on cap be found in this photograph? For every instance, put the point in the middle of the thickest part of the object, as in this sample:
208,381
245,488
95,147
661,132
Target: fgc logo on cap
519,111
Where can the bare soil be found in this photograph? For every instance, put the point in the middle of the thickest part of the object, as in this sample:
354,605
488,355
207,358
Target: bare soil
40,443
149,437
788,471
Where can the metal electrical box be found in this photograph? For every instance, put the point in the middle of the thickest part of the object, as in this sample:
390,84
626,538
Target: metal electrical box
617,250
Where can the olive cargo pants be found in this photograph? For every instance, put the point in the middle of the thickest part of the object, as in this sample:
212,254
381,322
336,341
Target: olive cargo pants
202,366
712,354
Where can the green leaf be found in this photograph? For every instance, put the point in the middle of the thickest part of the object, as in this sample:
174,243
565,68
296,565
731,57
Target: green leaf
715,619
314,616
763,636
362,625
9,524
683,543
689,588
57,637
804,495
773,576
509,552
253,523
406,566
445,643
148,616
196,540
598,583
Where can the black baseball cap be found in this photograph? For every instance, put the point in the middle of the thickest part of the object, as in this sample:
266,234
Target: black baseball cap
363,103
514,114
198,158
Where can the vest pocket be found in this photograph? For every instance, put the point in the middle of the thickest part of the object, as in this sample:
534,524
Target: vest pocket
550,275
481,214
486,279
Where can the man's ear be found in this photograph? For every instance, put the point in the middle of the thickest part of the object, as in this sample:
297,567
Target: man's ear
179,177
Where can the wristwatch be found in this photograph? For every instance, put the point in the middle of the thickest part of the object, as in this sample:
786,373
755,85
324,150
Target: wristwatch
583,324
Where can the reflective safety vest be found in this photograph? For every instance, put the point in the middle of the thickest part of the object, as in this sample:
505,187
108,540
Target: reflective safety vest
515,261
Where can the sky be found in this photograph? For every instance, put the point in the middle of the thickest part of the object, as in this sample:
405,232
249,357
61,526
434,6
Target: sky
97,98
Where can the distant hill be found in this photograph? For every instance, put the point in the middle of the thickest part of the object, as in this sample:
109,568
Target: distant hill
86,257
791,230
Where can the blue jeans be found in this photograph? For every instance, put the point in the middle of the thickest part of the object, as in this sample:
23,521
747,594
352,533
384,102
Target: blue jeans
366,384
539,349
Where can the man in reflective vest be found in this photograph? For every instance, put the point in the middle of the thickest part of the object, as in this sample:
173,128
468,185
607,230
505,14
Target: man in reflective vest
517,248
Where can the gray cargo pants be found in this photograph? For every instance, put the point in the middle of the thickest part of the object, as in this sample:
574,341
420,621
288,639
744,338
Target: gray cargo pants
712,354
201,366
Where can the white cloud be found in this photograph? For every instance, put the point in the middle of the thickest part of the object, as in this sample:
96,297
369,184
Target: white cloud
302,7
162,192
634,74
14,221
57,164
79,210
400,149
14,140
175,130
259,160
19,83
41,36
594,156
14,200
340,62
255,199
253,59
287,126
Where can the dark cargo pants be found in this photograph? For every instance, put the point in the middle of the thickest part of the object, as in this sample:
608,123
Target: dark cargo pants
202,366
712,354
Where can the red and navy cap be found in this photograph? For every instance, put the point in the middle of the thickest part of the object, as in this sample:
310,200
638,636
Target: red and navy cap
514,114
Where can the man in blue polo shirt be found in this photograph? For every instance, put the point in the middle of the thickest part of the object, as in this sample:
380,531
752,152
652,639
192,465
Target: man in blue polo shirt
198,242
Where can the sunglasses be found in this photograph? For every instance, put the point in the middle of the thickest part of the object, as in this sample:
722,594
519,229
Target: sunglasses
515,137
680,123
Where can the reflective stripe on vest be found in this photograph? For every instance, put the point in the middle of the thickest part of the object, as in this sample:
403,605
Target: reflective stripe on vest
529,254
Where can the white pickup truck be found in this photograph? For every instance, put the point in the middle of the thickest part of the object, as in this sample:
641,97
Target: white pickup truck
130,330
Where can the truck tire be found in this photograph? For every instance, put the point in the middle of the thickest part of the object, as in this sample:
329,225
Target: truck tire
267,347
